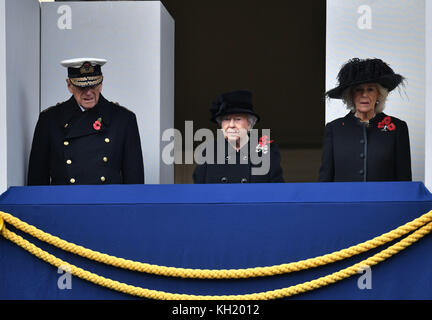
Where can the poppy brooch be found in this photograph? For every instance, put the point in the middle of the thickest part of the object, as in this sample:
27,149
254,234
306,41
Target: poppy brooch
97,124
386,124
263,144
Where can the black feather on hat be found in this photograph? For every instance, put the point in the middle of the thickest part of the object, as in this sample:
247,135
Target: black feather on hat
235,102
358,71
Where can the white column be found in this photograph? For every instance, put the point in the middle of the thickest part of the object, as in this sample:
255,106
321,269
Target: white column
167,87
428,115
3,114
19,87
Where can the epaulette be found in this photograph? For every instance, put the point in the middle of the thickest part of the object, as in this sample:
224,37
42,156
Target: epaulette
118,105
49,108
60,103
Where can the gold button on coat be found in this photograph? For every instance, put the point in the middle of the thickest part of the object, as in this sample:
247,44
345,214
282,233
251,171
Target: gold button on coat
103,179
66,143
107,140
72,180
69,161
105,159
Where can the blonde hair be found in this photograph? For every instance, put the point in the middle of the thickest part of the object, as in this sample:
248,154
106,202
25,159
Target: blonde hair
381,100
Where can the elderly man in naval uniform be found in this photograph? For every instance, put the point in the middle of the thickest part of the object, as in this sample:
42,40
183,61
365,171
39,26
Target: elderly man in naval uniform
86,139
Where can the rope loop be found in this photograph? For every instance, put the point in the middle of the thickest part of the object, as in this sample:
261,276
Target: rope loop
419,228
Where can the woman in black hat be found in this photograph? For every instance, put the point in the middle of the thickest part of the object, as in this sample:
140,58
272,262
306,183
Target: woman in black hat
366,144
234,114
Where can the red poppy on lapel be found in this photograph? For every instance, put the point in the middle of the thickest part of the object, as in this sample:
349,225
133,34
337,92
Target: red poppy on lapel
263,141
263,144
387,120
97,125
386,124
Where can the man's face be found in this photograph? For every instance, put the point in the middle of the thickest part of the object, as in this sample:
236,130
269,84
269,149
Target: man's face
86,97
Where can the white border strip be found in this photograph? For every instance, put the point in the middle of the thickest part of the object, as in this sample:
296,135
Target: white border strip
3,99
428,100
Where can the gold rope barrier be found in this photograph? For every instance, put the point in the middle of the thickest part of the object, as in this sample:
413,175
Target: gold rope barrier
274,294
224,273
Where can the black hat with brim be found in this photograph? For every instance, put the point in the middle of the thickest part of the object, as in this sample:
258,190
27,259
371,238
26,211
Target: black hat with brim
235,102
359,71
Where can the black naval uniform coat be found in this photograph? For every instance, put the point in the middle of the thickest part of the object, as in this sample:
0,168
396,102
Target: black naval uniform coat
241,171
68,149
354,151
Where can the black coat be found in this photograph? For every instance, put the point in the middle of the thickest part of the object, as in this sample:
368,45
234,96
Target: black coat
353,151
67,149
241,171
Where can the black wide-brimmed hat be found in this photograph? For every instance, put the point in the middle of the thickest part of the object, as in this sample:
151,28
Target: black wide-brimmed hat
358,71
235,102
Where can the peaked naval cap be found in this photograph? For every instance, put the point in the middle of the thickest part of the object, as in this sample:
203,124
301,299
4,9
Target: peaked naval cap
358,71
84,72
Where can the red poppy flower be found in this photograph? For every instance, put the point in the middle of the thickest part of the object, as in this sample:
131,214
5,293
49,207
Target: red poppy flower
387,120
97,125
381,125
263,141
391,126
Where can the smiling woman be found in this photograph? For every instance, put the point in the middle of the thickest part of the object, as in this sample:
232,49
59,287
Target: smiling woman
366,144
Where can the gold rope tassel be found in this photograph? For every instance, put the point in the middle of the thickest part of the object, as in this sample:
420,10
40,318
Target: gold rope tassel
224,273
275,294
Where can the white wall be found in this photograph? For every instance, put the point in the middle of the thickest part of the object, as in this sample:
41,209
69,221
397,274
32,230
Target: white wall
166,87
137,39
19,87
3,113
22,69
394,31
428,115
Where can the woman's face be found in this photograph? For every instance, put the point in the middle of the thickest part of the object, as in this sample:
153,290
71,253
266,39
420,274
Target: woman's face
365,97
235,126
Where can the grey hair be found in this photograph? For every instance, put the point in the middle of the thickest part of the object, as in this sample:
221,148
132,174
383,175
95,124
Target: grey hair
347,99
251,119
